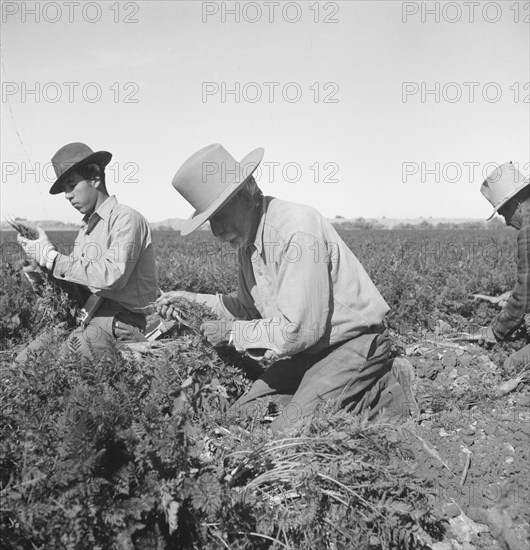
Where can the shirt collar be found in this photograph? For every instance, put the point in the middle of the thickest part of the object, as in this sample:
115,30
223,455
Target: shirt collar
258,239
102,212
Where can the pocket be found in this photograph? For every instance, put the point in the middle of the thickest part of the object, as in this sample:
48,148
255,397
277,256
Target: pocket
123,332
379,347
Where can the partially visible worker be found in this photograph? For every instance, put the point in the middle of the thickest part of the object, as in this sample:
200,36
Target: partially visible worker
305,306
113,258
509,193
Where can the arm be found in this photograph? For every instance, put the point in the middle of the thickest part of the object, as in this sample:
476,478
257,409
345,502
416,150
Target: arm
216,302
228,306
518,303
107,268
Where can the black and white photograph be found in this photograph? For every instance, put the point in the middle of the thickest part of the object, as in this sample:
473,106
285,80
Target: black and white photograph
265,275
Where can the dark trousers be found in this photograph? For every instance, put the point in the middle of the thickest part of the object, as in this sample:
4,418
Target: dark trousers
111,324
356,373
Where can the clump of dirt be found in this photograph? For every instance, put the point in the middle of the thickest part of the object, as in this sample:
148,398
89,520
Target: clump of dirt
481,435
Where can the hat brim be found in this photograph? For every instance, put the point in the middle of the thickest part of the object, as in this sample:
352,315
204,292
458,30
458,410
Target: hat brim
510,195
253,159
99,157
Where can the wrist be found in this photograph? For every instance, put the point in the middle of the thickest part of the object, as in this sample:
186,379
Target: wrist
50,259
231,334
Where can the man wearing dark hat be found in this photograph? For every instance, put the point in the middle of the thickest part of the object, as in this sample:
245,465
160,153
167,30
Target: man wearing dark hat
113,256
305,307
509,193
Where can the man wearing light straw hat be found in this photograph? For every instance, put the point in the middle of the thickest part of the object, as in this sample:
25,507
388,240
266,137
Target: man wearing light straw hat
112,260
509,193
305,307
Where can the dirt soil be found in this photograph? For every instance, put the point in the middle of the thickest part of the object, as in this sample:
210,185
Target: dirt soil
476,442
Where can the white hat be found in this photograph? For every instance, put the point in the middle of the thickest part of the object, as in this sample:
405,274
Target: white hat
210,178
502,184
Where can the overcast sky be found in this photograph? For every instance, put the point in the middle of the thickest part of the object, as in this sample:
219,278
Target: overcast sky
395,109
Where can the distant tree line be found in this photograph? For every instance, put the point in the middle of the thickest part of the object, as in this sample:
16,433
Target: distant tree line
164,228
358,223
362,223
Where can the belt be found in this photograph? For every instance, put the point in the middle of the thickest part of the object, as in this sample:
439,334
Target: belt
97,306
89,309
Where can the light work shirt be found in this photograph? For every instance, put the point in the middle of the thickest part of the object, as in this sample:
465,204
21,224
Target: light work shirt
114,257
300,288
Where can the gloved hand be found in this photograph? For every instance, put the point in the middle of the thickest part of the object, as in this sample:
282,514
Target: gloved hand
487,338
503,299
40,250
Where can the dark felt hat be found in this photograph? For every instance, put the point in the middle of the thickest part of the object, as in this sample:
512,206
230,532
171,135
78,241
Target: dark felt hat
72,157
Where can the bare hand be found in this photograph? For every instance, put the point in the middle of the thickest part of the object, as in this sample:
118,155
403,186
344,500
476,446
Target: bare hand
163,305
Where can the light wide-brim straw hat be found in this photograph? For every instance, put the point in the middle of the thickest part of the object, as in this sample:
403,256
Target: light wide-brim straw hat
503,184
210,178
73,157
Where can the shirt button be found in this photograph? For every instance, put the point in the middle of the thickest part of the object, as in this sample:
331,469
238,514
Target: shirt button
62,275
260,273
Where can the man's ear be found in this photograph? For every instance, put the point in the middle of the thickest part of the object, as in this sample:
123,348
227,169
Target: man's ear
96,182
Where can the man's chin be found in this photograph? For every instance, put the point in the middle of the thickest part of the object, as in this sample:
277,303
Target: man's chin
236,243
514,222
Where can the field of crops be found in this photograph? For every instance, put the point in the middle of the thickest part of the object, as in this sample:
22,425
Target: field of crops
143,453
423,275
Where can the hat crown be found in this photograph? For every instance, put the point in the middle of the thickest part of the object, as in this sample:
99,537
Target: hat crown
210,178
502,184
69,156
207,174
72,157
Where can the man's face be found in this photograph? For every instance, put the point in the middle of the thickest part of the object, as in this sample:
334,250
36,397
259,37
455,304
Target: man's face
508,211
82,193
232,224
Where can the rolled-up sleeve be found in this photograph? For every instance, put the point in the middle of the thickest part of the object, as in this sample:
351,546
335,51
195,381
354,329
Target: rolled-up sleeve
303,302
518,304
107,269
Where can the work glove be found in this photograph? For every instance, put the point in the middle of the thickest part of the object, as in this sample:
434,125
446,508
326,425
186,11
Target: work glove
487,338
40,250
503,299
